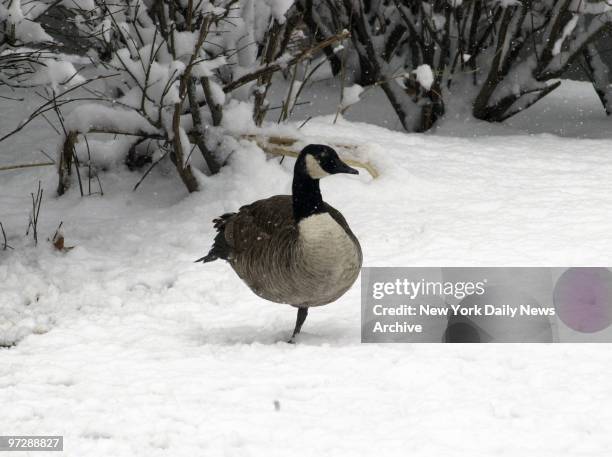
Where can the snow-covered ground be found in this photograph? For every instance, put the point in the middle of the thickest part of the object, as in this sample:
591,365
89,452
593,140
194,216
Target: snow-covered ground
128,348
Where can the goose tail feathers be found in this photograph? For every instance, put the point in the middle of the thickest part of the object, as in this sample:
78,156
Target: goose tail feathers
220,248
210,257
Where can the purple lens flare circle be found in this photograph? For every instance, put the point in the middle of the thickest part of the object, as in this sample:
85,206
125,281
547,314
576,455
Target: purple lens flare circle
583,299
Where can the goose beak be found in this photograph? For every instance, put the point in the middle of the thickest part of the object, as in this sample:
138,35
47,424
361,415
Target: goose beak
341,167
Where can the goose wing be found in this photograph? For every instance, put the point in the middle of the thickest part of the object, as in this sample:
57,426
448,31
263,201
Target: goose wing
267,218
260,221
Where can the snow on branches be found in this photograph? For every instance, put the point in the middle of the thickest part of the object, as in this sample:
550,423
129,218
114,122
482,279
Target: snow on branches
172,63
500,56
171,67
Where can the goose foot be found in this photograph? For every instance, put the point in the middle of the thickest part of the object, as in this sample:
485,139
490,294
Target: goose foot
301,317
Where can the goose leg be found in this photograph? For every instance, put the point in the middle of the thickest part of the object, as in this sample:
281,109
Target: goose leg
301,317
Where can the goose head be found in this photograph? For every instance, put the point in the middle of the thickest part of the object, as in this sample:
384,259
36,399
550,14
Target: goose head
318,161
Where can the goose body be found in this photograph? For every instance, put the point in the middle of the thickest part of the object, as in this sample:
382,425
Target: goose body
310,263
293,249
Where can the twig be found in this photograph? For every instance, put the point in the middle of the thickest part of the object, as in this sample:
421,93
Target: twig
26,165
50,123
57,230
60,117
5,244
305,122
285,106
342,82
273,108
36,202
149,170
307,77
11,98
99,185
48,106
42,151
276,66
88,165
210,160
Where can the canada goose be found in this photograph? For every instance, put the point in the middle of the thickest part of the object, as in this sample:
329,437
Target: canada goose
293,249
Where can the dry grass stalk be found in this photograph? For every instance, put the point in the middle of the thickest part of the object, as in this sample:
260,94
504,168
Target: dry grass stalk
33,223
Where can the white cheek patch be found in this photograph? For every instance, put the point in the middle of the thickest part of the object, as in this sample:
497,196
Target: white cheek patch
314,169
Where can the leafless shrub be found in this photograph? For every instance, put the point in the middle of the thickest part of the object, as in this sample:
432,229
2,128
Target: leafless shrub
501,57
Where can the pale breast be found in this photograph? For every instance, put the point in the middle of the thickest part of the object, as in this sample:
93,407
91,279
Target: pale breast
330,256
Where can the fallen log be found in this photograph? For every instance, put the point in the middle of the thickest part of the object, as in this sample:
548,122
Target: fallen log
284,146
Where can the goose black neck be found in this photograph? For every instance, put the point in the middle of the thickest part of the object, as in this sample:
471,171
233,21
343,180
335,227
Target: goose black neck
307,198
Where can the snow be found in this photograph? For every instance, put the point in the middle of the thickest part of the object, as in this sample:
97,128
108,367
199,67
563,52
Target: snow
217,93
94,116
279,8
238,117
207,67
424,76
104,153
185,43
128,348
508,3
51,69
593,7
350,95
588,30
85,5
56,73
26,30
567,31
